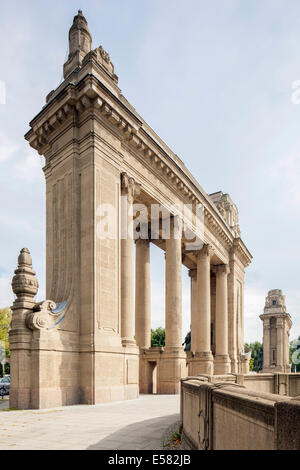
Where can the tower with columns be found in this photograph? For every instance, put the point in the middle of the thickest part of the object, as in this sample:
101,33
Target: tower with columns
107,173
276,330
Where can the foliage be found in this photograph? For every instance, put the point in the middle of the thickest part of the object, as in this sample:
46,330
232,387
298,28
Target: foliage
295,354
5,319
256,355
158,337
251,364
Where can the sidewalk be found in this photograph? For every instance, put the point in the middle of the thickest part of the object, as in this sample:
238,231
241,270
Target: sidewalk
133,425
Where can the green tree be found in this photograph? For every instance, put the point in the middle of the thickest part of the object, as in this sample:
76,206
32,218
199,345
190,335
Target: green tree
158,337
256,355
251,364
5,319
295,354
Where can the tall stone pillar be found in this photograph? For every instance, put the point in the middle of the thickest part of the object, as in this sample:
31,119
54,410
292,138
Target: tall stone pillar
266,343
280,342
194,306
202,362
128,190
222,361
173,361
234,306
142,294
173,292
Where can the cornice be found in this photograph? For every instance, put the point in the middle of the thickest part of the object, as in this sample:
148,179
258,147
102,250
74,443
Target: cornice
89,94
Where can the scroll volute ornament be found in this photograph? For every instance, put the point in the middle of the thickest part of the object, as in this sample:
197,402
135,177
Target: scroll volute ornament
24,284
129,187
40,318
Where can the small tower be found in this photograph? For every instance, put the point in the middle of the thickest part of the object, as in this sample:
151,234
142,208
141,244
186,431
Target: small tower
80,43
277,324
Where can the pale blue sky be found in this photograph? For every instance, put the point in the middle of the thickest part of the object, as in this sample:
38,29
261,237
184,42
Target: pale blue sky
212,78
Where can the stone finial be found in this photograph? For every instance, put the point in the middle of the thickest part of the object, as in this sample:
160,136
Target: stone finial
80,43
24,283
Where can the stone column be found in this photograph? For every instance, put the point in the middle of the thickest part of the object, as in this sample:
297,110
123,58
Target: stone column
173,291
222,361
194,305
173,360
128,189
142,294
266,344
202,362
279,352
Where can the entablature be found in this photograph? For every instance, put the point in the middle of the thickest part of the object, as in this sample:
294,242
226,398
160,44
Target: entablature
91,95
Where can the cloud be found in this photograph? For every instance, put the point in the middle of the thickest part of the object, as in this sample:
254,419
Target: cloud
253,306
287,172
7,148
6,294
29,168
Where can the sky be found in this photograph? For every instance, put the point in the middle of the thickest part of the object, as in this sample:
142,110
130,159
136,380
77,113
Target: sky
213,79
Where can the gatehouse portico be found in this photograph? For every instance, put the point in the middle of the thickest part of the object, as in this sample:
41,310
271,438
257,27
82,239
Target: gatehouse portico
113,187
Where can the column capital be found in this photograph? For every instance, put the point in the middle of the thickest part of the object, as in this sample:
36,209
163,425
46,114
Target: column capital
129,186
142,241
193,273
221,269
206,250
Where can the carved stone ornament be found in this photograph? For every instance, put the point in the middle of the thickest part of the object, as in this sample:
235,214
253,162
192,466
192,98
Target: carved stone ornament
40,317
228,211
24,283
207,250
103,59
129,186
46,315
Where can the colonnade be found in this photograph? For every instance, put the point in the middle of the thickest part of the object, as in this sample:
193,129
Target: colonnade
201,359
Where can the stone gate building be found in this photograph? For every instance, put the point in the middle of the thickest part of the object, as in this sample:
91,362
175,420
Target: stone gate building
100,155
276,337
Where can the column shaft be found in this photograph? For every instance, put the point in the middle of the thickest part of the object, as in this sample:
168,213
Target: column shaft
129,189
202,322
202,360
142,294
194,307
266,344
222,362
172,365
279,358
173,294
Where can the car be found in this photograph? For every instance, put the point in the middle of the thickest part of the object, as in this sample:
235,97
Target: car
4,386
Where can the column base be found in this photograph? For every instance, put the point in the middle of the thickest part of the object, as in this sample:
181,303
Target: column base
222,364
201,363
128,342
172,368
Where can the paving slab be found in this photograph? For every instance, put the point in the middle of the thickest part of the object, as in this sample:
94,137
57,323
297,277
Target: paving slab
129,425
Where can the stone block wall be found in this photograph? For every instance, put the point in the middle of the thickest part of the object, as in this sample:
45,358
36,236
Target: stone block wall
224,416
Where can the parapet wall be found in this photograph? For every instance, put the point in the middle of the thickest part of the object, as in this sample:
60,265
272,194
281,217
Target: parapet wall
229,416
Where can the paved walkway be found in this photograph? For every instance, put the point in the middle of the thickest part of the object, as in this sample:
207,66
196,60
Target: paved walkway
133,425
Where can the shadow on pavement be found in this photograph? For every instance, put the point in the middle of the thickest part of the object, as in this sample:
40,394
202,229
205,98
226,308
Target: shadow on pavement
143,435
